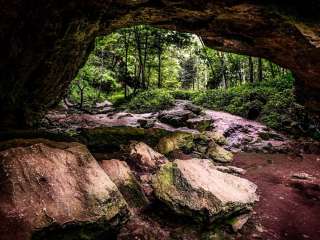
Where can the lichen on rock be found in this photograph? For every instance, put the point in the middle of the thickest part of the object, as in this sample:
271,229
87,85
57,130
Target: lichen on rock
194,188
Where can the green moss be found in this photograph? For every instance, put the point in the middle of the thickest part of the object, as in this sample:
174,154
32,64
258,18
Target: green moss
178,140
151,101
133,194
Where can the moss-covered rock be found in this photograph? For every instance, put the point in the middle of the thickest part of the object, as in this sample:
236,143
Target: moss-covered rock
194,188
219,154
175,141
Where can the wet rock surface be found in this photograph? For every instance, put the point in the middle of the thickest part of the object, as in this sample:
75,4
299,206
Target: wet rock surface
53,192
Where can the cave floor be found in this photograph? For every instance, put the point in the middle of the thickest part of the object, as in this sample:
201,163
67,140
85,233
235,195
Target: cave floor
286,210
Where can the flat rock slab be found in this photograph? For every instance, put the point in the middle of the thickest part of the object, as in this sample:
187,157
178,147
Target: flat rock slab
57,192
195,188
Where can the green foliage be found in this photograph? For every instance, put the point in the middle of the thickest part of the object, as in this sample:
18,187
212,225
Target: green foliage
151,101
271,102
183,94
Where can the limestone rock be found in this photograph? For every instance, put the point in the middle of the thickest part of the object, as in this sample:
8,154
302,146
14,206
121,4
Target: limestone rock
231,170
214,136
199,123
121,175
219,154
176,141
56,193
144,157
193,108
194,188
176,117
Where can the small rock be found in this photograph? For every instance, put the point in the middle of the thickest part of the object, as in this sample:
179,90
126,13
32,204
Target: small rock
193,108
219,154
302,176
231,170
199,123
214,136
238,222
104,104
259,228
146,123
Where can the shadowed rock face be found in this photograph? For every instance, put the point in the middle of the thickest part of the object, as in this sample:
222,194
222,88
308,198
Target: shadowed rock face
51,190
44,44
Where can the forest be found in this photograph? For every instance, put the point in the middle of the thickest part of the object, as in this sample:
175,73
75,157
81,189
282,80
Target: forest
145,69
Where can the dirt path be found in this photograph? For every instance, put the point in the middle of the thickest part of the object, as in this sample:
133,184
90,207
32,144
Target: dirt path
283,212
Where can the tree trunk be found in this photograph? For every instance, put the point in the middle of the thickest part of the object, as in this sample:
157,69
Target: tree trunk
251,76
159,61
272,70
222,70
260,70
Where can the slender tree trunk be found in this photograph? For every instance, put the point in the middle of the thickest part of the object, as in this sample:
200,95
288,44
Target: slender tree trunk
223,70
126,44
159,60
251,76
205,51
272,70
138,44
81,89
260,70
145,60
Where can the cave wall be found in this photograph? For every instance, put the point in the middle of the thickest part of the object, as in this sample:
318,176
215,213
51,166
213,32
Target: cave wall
43,44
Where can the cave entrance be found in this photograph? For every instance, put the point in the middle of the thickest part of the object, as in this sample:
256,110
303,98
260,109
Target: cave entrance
144,69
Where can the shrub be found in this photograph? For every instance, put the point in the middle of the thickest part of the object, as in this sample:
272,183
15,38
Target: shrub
151,101
183,94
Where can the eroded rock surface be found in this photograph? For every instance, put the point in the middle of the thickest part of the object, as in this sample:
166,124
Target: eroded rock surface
56,192
120,173
144,157
194,188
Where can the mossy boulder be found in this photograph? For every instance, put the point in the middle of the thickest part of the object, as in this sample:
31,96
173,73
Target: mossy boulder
176,141
194,188
216,137
218,153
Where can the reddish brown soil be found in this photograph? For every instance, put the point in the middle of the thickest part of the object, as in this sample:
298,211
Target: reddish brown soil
283,212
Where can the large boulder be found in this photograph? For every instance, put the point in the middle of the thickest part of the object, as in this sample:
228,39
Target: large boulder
144,158
56,191
194,188
121,175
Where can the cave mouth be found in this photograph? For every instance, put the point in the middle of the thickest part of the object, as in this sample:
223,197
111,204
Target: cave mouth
143,69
